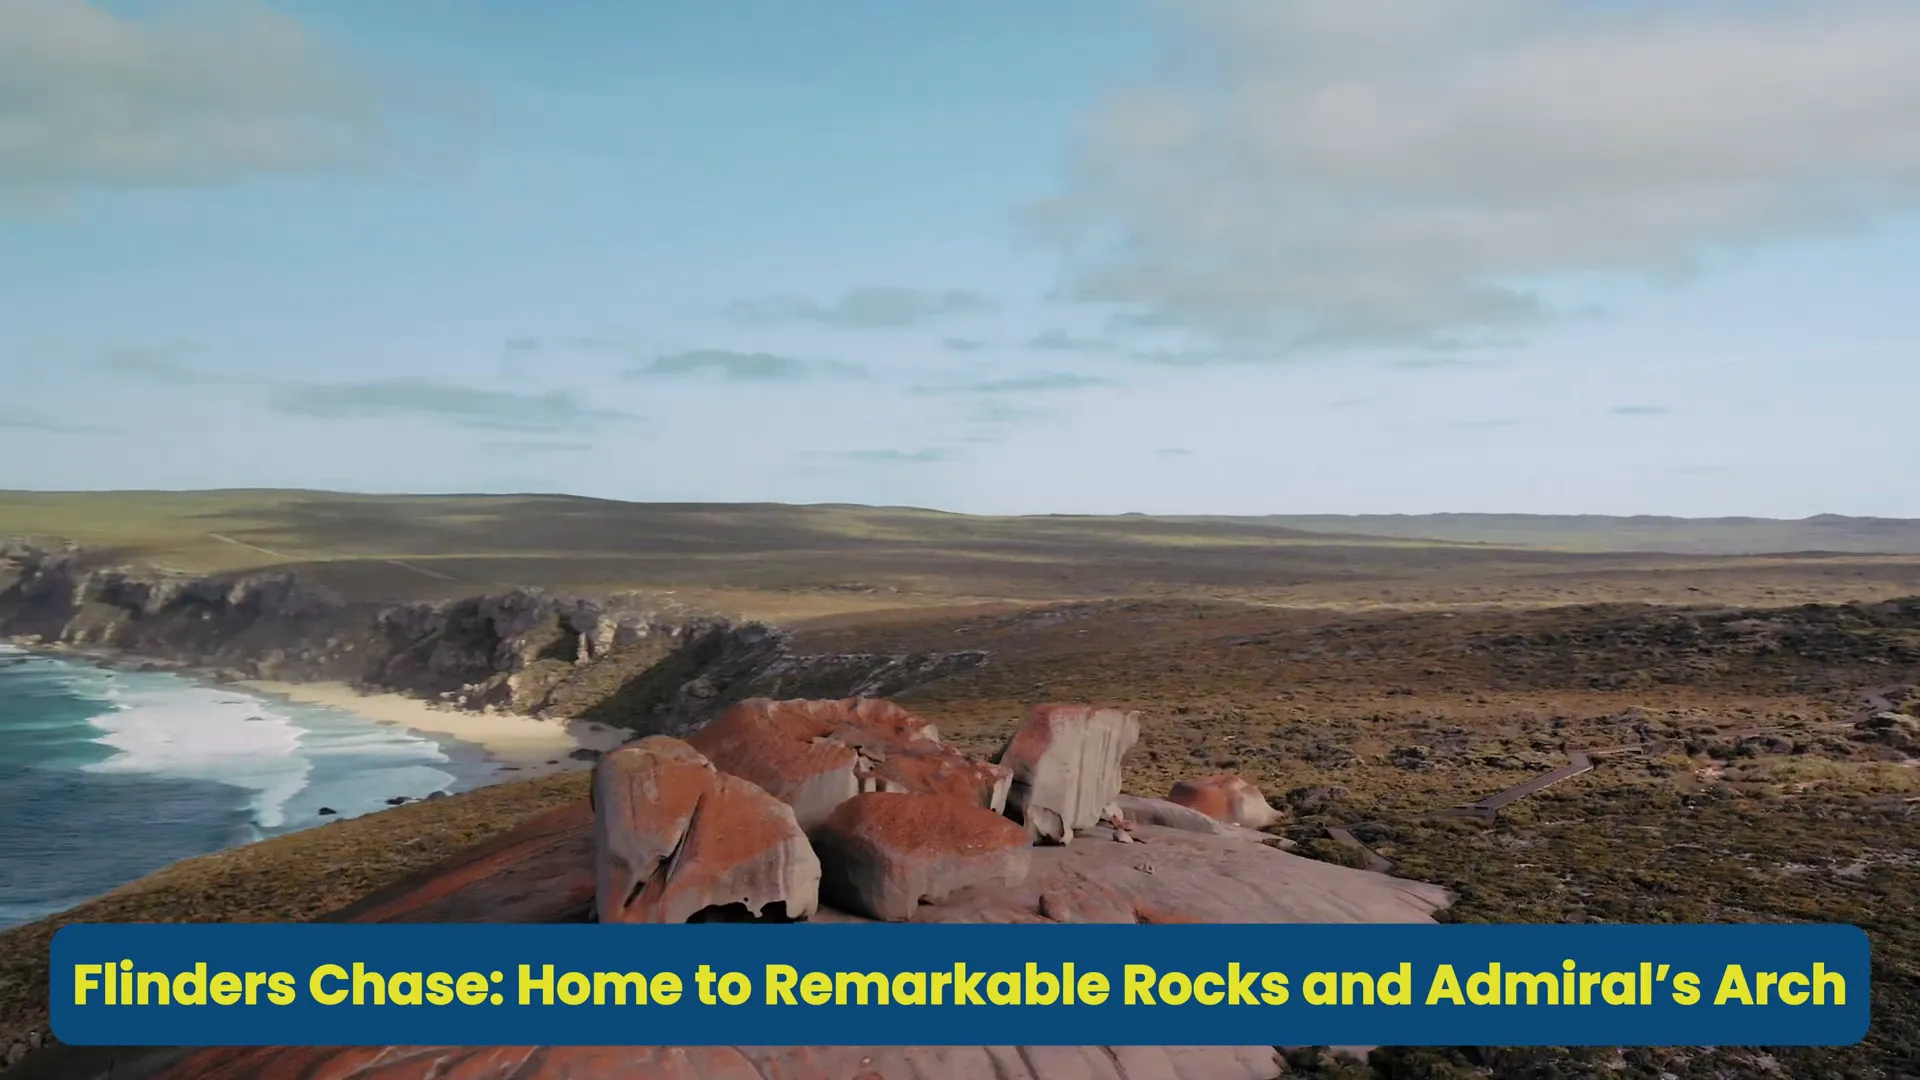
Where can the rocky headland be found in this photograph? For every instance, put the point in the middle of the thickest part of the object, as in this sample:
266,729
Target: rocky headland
616,660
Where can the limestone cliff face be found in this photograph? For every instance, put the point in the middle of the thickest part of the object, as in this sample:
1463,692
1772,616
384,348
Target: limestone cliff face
611,659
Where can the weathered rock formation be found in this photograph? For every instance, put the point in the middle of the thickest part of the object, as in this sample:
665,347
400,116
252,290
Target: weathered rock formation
1172,876
677,841
669,836
1227,798
887,852
815,755
1142,811
1066,767
881,852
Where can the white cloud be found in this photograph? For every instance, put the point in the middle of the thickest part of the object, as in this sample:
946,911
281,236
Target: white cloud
200,94
1404,170
874,306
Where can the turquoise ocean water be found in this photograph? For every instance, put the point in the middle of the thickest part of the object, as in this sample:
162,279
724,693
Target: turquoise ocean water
107,775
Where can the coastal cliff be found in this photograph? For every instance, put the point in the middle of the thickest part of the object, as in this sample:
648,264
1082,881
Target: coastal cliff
615,659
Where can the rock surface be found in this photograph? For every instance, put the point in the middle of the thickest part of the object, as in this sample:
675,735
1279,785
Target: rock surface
676,840
1227,798
540,872
884,853
1142,811
1066,767
815,755
668,837
1172,876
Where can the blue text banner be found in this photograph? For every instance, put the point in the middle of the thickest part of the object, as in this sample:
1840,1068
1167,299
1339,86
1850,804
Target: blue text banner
1190,985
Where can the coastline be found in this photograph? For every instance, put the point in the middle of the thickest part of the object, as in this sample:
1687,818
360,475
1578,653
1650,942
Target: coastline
517,746
522,746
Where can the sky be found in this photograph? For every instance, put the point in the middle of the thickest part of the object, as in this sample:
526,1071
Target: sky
992,256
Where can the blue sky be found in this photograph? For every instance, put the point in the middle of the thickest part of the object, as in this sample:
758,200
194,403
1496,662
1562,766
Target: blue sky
1179,256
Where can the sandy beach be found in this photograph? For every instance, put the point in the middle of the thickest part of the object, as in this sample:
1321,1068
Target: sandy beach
524,745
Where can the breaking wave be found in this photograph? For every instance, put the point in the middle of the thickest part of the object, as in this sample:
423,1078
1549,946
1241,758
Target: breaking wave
108,775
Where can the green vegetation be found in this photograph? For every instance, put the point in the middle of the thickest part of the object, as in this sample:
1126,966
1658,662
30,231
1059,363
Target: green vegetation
1595,532
1374,722
1627,848
790,562
1759,791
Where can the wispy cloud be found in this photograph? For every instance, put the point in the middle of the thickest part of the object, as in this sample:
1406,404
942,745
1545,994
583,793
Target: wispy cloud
926,456
1007,400
1201,357
1640,410
991,411
517,448
164,364
965,344
1434,363
463,405
929,455
744,367
1174,452
1037,383
210,94
877,307
1061,341
518,355
529,343
18,419
426,398
1324,173
1480,425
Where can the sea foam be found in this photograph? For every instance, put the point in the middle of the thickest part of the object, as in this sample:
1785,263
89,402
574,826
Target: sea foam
291,760
107,775
199,733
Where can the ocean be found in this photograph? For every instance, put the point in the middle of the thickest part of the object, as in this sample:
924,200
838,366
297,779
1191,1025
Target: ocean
107,775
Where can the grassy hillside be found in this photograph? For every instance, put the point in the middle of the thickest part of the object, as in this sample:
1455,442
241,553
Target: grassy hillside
1754,797
785,562
1594,532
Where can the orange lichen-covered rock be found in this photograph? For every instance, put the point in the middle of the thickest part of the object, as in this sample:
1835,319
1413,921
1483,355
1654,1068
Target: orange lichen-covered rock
1066,767
815,755
883,853
1226,798
677,840
1176,875
540,871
